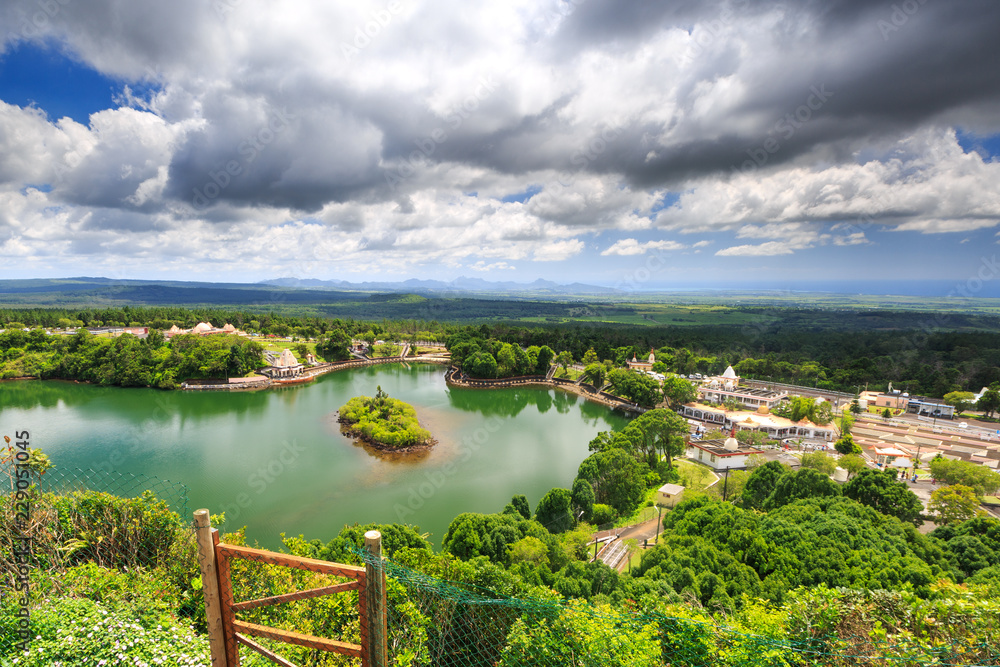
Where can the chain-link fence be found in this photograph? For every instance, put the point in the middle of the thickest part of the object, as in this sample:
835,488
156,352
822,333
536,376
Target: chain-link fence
115,579
61,481
83,549
435,622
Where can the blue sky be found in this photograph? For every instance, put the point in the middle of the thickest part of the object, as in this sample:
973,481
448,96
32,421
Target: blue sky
672,145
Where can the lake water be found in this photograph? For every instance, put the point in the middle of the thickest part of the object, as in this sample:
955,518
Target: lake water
276,461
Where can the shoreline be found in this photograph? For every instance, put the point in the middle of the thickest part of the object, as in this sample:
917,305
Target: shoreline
264,382
607,400
347,430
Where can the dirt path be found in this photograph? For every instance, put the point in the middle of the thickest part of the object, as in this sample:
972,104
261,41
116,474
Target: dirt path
613,553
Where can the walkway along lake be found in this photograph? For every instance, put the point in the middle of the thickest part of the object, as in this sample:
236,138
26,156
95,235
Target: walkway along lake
276,462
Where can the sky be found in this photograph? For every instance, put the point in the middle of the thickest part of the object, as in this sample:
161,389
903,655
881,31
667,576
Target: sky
632,143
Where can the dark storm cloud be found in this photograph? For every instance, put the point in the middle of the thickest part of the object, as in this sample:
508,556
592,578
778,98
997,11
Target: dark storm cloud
831,76
264,108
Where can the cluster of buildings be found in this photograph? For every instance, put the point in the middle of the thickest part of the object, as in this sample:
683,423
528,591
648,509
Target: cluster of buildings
898,446
284,365
204,329
890,444
708,413
898,401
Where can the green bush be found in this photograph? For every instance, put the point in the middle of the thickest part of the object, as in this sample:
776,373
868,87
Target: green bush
75,632
603,514
116,532
383,420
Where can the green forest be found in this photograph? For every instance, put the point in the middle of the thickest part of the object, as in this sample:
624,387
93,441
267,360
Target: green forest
925,353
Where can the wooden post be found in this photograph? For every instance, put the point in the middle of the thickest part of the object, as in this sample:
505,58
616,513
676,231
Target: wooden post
375,601
226,597
210,587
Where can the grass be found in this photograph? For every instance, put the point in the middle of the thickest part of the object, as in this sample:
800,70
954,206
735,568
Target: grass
570,373
993,501
694,477
642,514
279,345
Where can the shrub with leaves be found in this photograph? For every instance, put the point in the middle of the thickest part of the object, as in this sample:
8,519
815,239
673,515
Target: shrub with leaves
78,632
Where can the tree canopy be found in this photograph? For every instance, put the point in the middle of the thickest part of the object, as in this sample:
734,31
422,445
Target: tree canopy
383,420
880,490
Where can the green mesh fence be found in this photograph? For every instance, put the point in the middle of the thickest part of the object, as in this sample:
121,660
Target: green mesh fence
122,484
75,546
81,519
434,622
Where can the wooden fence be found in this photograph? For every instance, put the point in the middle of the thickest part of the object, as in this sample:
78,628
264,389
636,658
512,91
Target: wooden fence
226,633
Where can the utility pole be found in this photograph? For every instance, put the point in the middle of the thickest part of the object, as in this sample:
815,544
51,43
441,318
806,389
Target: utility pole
659,510
725,486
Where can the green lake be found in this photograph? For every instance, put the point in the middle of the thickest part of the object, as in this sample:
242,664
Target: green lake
276,461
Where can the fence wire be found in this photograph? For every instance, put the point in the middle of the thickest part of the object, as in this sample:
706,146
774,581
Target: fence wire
61,481
95,535
76,549
435,622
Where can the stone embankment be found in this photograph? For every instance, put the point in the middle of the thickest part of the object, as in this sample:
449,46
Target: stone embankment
456,378
307,375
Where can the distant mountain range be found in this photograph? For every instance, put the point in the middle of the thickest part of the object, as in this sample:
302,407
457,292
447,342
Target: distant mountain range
458,285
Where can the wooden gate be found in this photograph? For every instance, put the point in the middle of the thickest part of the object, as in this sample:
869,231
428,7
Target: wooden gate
226,633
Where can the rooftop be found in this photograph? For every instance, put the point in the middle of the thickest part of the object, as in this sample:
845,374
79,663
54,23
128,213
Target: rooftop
718,447
755,417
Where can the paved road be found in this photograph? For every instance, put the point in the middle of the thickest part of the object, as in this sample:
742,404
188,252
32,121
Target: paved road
613,554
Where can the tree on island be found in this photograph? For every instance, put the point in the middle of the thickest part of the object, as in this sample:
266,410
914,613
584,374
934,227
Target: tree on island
384,421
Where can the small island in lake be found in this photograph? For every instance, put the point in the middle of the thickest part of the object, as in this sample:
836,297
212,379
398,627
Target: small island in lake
385,423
